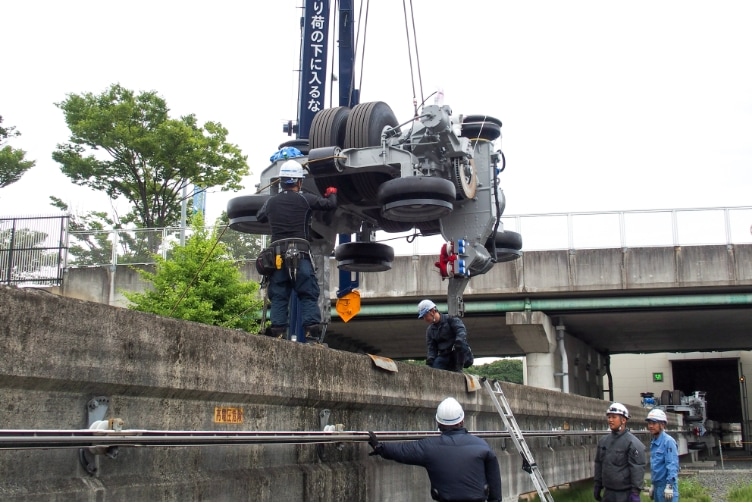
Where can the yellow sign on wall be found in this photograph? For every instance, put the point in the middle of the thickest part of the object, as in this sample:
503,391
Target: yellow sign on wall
231,415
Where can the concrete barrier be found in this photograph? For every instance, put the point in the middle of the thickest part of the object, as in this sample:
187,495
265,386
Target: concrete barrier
165,374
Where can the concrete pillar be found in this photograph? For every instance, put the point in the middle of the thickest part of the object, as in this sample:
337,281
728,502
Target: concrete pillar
535,334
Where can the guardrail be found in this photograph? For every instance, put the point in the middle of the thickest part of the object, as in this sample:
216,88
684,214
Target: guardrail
616,229
547,231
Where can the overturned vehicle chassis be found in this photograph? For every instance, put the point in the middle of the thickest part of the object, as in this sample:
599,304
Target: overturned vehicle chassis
435,176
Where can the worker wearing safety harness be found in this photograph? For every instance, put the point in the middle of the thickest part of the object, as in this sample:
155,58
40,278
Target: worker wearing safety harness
289,215
619,460
460,466
446,339
664,459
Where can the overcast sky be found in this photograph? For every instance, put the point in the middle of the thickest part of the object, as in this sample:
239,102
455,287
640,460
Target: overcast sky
606,105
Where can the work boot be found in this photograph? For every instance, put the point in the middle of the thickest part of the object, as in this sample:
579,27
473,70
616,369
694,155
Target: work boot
313,334
276,332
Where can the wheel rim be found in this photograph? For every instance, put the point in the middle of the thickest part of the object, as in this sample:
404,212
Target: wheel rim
465,179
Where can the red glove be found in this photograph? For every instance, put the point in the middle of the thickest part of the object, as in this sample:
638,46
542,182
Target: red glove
330,191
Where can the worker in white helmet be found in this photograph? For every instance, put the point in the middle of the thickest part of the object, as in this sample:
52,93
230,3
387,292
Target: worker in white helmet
289,215
460,466
446,339
619,460
664,459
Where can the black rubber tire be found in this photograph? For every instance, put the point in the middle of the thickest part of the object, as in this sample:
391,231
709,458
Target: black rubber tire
328,130
676,396
665,397
241,212
507,239
364,257
416,198
328,127
430,228
508,246
481,126
364,127
300,144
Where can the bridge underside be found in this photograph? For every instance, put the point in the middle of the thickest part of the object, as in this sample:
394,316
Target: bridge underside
612,331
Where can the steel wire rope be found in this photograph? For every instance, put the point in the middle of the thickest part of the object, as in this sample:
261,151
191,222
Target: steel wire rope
417,54
410,59
363,50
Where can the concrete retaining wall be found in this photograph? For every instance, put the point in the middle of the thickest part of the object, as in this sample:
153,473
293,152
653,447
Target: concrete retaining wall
165,374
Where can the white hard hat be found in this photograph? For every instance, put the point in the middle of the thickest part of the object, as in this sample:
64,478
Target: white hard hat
617,408
291,171
657,415
450,412
424,306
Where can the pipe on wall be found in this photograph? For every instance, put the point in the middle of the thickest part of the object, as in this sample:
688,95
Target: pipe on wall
503,306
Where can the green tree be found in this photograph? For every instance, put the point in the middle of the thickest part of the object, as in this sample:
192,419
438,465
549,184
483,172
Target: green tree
12,162
509,370
240,245
126,145
201,283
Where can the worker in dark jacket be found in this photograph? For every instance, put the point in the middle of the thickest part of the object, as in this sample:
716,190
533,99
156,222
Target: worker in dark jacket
289,215
460,466
446,339
619,460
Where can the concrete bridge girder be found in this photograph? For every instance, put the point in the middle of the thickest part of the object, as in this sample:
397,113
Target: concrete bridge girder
553,357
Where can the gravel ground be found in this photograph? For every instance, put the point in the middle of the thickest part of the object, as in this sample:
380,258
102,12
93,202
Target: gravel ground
719,481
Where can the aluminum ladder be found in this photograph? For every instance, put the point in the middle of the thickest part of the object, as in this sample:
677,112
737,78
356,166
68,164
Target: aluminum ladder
528,463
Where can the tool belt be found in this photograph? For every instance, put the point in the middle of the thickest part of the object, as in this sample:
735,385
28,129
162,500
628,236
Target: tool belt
281,246
283,252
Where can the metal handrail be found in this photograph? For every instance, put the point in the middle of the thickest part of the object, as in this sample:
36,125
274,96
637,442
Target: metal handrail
571,230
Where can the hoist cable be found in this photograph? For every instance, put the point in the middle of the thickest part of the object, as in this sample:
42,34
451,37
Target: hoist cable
357,41
417,52
410,60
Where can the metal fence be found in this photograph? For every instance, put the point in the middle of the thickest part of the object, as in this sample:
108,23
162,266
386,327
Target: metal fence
33,250
27,258
140,246
614,229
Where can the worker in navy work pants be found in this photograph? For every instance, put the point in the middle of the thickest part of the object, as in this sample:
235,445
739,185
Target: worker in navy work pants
664,459
460,466
289,215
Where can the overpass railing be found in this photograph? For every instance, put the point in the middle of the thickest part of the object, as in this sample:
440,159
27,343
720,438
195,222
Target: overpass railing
547,231
615,229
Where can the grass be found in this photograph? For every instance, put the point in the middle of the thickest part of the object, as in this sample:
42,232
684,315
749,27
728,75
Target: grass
689,490
740,493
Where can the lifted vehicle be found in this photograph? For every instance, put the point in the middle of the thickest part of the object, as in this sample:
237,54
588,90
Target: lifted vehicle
436,173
